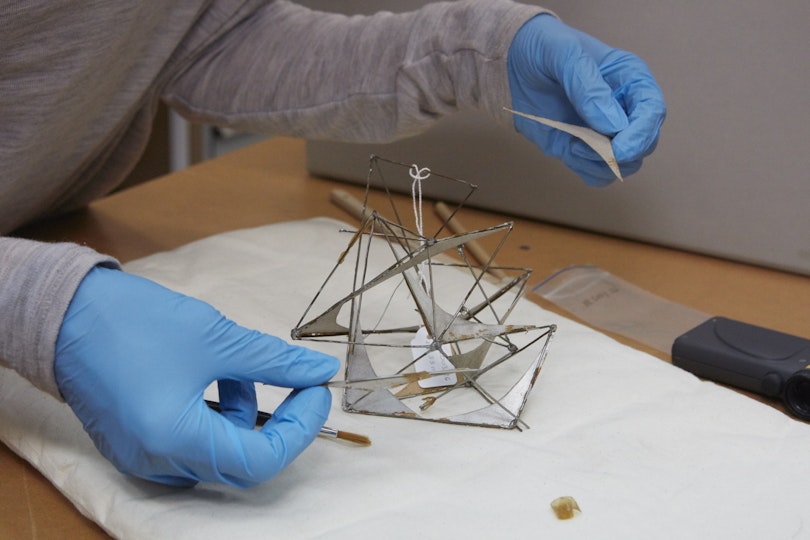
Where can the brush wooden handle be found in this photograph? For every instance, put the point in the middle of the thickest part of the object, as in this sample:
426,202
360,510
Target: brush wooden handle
344,200
475,249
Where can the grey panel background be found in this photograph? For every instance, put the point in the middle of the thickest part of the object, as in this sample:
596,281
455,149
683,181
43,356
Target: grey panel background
730,176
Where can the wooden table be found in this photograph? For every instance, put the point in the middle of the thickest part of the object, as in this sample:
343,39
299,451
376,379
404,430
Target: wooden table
268,183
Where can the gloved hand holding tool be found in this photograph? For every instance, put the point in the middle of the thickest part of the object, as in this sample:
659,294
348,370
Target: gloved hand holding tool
133,359
563,74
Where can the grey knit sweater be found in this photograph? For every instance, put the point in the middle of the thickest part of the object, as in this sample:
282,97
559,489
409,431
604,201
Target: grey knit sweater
80,82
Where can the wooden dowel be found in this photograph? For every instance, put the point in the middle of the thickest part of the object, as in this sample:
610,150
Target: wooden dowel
344,200
475,249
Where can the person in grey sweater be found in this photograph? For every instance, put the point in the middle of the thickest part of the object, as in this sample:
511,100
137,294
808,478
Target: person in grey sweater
79,86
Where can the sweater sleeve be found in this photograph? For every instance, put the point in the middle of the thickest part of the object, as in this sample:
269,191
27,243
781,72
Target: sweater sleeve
37,283
292,71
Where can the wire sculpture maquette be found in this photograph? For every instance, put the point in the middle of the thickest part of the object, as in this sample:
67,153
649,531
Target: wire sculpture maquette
407,305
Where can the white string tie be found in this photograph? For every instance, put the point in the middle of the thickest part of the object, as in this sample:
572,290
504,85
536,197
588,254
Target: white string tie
416,193
418,176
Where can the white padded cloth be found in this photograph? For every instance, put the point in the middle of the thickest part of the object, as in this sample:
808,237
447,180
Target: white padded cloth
647,450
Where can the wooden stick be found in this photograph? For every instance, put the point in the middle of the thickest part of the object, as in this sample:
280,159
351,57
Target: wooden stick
344,200
328,432
475,249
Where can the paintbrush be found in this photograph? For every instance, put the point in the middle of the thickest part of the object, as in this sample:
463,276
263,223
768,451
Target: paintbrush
475,249
344,200
371,385
355,208
327,432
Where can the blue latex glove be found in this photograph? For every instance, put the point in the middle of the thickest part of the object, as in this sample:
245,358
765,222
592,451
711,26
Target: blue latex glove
561,73
133,359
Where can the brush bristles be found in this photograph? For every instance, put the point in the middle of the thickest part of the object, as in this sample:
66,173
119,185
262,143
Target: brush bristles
355,438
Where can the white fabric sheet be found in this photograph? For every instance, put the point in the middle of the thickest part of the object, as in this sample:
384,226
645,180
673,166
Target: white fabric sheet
647,450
